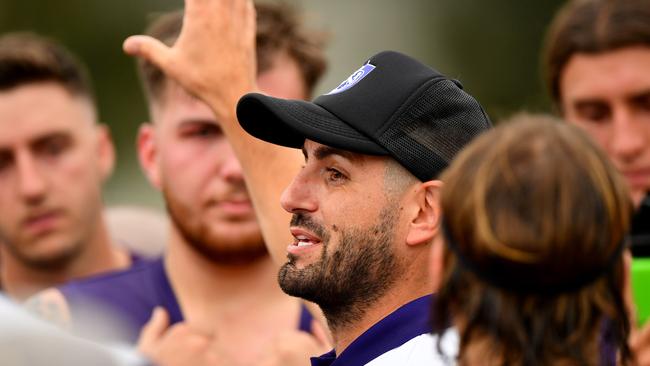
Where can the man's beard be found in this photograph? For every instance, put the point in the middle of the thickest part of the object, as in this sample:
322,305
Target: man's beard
200,239
54,262
348,280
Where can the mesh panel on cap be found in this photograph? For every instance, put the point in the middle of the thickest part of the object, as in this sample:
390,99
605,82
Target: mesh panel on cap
433,128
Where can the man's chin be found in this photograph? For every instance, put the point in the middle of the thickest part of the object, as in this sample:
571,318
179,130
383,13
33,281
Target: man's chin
50,260
231,255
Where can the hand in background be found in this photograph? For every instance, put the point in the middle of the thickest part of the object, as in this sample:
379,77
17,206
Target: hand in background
640,344
296,347
178,345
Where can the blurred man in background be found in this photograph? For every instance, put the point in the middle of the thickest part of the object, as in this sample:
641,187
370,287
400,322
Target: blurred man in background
54,158
597,61
216,274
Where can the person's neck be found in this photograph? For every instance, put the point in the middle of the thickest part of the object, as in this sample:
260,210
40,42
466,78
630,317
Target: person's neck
400,294
20,281
208,291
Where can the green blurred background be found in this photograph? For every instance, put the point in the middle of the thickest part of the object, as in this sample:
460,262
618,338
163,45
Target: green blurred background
493,47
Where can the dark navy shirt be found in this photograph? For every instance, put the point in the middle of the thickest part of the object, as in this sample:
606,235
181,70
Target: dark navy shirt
405,333
130,296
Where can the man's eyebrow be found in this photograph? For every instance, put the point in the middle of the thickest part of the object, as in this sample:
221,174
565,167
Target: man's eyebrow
323,152
584,101
640,96
199,121
50,136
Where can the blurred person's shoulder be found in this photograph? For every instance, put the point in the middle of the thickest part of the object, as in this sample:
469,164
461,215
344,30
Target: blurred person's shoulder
21,333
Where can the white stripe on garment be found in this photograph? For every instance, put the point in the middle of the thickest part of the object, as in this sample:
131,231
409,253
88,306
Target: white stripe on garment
422,351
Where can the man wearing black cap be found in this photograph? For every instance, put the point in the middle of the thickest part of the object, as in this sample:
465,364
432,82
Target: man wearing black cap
364,209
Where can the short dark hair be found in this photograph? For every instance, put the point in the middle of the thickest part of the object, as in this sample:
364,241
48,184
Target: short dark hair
279,29
593,27
30,58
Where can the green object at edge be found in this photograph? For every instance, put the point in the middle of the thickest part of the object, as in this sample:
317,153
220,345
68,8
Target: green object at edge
641,288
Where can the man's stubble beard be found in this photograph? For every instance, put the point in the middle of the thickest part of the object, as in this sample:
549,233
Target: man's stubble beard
57,262
346,282
199,238
53,262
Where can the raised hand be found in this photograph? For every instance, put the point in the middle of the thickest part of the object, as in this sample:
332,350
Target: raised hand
214,56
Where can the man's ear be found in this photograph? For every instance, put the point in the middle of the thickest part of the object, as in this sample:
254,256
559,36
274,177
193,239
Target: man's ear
148,153
105,151
425,224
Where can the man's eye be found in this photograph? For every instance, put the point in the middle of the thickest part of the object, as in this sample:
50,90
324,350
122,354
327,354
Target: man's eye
5,161
203,131
53,147
643,102
594,112
334,175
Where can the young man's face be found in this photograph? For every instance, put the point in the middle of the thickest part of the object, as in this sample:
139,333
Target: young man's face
608,94
345,225
53,160
199,174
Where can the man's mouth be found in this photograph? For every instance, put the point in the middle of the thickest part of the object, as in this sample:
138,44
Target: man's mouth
637,177
42,222
235,207
303,240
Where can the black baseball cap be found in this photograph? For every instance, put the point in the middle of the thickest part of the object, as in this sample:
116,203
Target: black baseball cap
393,105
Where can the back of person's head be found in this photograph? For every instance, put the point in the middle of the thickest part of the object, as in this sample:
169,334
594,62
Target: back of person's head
535,218
593,27
27,58
279,29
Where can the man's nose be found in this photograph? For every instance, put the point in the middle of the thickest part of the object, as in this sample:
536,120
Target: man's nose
628,140
31,181
231,168
299,195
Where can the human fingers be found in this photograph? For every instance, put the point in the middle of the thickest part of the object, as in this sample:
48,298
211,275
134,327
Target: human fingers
182,345
292,348
153,331
640,344
149,49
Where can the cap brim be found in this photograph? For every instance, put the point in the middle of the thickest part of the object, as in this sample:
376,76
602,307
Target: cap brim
289,122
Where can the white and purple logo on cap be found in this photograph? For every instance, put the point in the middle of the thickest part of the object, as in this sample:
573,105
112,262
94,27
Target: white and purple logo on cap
353,79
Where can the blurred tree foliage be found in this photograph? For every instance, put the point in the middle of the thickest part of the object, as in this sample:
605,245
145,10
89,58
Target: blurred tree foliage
495,47
491,46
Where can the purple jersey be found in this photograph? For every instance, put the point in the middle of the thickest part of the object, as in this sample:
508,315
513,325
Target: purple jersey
131,295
